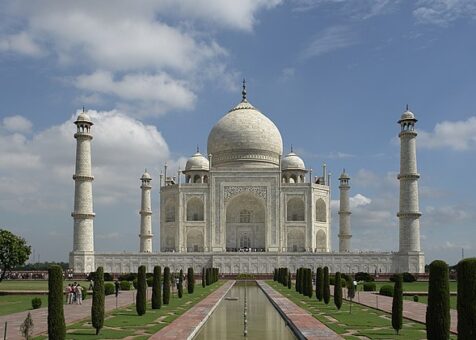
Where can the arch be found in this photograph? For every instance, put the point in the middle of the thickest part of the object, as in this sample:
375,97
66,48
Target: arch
170,211
295,241
197,179
321,210
194,241
245,241
195,210
293,179
321,241
205,179
295,209
245,216
170,243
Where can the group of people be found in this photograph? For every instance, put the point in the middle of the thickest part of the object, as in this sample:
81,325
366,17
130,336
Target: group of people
74,294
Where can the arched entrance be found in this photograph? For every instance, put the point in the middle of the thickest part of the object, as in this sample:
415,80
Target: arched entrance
245,223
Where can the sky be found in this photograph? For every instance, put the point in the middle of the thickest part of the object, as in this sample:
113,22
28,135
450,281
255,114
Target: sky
155,76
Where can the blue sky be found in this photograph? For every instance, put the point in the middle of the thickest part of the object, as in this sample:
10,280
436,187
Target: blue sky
334,76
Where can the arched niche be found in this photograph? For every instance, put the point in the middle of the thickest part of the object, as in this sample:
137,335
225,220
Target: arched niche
295,209
195,241
195,209
321,241
296,241
321,210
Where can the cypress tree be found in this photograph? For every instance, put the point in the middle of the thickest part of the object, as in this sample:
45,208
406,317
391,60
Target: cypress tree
467,298
289,280
97,307
208,280
156,288
438,308
190,280
326,294
306,282
203,278
309,283
141,291
297,280
275,275
56,325
338,291
397,304
180,284
166,297
319,283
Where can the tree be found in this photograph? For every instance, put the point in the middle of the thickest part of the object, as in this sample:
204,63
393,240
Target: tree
141,300
26,328
438,308
466,304
338,291
156,288
190,280
56,325
166,292
326,294
297,280
203,278
289,280
275,275
350,291
397,304
309,283
97,307
13,252
319,284
180,284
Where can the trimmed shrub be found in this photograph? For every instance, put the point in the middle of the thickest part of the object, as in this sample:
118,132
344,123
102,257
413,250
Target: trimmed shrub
370,287
108,277
338,291
149,281
166,290
362,276
297,281
327,290
319,284
156,288
190,281
309,283
203,278
125,285
386,290
289,280
332,280
141,299
56,325
438,308
275,275
97,307
36,303
408,277
180,284
415,298
467,298
127,277
109,288
397,305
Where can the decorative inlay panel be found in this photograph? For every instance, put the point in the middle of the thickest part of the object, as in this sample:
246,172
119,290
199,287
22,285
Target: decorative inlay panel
230,191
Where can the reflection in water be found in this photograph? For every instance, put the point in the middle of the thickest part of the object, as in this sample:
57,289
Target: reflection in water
264,321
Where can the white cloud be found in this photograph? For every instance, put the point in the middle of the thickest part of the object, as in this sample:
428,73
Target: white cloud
17,123
359,200
442,12
457,135
20,43
362,10
329,40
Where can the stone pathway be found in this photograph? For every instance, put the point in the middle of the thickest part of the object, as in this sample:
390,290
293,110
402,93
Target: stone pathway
298,318
188,324
72,313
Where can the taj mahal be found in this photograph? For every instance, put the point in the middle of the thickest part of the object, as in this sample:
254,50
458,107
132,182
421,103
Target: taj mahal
246,207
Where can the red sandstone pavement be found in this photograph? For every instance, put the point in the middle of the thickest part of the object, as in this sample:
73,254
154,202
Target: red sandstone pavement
308,326
415,311
72,313
188,324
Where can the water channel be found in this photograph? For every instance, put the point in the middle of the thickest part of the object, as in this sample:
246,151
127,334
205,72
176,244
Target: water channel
264,321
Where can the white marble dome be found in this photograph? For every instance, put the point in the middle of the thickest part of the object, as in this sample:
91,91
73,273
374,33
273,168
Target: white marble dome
245,137
83,117
407,115
145,176
197,162
292,162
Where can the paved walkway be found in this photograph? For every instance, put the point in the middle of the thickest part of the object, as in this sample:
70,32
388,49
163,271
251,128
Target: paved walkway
72,313
299,319
188,324
415,311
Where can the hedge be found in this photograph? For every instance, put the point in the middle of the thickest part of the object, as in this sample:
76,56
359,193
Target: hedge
369,287
97,308
36,303
125,285
156,288
438,308
466,302
362,276
386,290
56,324
109,288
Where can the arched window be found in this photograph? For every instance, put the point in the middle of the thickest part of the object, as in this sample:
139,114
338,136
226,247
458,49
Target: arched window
245,241
195,209
295,241
321,210
170,212
321,240
196,179
295,209
195,241
205,179
245,216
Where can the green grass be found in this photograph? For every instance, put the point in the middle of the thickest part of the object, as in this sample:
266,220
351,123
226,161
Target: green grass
18,303
363,322
33,284
124,322
417,286
424,299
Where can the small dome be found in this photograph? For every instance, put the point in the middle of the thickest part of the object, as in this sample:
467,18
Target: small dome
292,162
344,175
197,162
146,176
83,117
407,116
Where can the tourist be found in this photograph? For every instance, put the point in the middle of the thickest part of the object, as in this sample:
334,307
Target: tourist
116,284
70,293
79,294
67,291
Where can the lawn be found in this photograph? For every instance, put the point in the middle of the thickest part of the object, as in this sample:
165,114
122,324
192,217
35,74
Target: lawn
363,322
424,299
124,322
33,284
18,303
417,286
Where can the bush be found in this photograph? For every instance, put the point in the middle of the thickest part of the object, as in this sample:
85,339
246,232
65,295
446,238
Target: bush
438,309
56,325
275,275
141,300
125,285
319,284
134,283
289,280
327,290
332,281
338,291
36,303
97,308
190,280
108,277
415,298
157,288
166,290
127,277
386,290
362,276
149,281
467,299
397,305
370,287
109,288
407,277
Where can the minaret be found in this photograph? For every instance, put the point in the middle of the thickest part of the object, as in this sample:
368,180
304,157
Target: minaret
145,215
344,213
409,213
83,215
